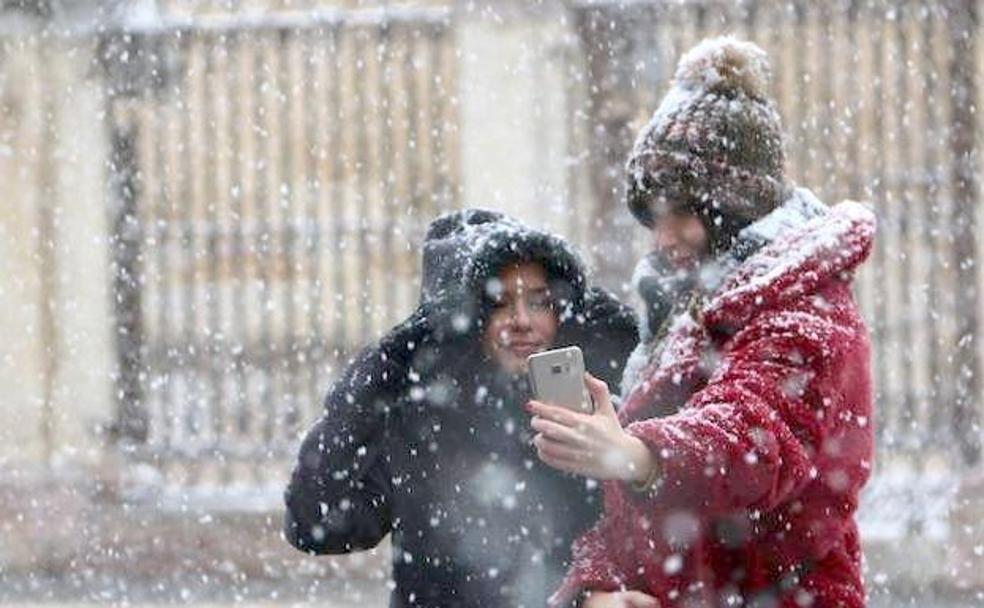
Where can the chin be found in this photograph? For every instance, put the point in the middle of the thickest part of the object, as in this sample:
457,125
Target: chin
517,367
513,365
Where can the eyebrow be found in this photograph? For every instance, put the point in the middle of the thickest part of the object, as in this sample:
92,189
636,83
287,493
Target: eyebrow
535,290
539,290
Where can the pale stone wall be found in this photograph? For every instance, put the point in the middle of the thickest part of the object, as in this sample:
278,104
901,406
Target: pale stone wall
514,115
21,351
56,355
85,348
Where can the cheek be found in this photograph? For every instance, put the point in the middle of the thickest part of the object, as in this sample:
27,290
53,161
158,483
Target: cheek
546,328
494,330
695,235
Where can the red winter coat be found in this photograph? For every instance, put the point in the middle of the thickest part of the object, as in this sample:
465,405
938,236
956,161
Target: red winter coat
768,445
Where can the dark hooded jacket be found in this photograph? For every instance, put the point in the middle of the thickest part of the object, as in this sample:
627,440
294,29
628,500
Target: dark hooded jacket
424,438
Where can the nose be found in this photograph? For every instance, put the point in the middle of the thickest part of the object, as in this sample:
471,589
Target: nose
521,314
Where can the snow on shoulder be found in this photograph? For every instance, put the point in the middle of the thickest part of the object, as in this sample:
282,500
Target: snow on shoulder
797,263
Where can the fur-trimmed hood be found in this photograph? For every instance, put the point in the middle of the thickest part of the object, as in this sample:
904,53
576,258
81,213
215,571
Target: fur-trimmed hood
464,250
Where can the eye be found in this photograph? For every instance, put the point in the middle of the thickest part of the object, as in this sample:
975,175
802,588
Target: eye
541,303
498,303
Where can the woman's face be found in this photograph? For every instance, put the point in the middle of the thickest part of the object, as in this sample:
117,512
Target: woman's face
681,237
523,320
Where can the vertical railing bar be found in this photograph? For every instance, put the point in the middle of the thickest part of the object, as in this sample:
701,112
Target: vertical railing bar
413,141
390,206
197,110
438,123
263,238
289,227
149,237
572,106
338,198
245,259
312,131
452,147
162,228
363,197
799,95
931,221
187,243
183,409
879,333
831,171
128,232
428,115
176,198
47,250
907,410
236,342
409,214
216,351
854,138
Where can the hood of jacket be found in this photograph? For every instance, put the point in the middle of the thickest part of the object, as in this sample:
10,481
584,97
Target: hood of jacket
464,250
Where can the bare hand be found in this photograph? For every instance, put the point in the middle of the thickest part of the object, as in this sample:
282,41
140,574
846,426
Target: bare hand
619,599
593,445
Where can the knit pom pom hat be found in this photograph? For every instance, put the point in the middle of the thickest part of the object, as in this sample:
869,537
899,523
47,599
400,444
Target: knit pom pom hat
714,146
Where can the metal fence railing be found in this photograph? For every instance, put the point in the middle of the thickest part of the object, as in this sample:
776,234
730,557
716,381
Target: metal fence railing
271,181
270,177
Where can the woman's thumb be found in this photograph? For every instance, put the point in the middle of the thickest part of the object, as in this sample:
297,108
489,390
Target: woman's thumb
600,395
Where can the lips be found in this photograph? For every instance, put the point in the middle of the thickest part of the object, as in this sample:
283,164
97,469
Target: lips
523,349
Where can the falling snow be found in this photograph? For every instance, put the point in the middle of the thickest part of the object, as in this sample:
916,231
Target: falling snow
212,206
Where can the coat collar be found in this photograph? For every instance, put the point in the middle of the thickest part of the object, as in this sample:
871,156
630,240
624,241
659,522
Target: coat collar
800,258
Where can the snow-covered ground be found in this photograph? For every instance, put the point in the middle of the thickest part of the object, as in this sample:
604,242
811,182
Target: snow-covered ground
372,595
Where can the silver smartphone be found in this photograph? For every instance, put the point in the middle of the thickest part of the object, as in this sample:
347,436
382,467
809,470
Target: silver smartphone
557,378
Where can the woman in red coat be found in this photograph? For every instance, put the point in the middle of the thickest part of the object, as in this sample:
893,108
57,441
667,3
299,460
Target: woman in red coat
732,469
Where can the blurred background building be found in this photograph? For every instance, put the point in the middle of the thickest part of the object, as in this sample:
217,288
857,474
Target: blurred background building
208,205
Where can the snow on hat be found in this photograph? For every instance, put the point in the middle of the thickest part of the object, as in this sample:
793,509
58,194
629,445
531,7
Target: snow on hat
714,146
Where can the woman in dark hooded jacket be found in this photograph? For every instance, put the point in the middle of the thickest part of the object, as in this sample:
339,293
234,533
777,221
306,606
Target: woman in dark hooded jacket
424,435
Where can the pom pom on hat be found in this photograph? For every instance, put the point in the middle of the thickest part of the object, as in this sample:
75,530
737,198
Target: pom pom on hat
726,64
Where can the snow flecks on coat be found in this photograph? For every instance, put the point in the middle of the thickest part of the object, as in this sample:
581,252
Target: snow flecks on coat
758,410
423,439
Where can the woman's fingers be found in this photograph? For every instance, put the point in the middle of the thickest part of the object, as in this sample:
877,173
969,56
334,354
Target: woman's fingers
557,432
556,450
561,465
556,414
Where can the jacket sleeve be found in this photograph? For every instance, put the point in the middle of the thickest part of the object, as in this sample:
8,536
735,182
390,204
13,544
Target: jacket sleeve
340,493
749,438
592,567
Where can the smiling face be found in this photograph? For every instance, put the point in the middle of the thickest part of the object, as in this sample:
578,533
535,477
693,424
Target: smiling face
681,237
523,320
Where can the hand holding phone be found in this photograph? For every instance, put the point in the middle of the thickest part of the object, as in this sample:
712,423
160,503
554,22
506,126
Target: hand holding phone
557,378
